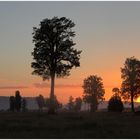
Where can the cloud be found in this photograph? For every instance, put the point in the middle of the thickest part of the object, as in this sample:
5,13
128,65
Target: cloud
45,85
41,85
13,87
68,86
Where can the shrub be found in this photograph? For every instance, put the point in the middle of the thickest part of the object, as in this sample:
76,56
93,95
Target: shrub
115,104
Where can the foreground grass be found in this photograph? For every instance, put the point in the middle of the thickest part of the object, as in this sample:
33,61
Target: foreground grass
69,125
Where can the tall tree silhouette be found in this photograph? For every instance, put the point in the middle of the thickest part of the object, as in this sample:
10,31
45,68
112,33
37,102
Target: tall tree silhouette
54,54
130,74
93,91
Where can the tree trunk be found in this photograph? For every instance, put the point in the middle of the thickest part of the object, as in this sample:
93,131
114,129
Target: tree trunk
52,107
132,103
93,107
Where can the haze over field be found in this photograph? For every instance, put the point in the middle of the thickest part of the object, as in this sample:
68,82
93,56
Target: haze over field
32,104
106,32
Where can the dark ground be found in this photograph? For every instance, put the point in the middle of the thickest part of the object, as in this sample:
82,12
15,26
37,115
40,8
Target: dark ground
69,125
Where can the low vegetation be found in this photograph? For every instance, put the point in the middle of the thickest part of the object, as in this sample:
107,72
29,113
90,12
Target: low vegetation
69,125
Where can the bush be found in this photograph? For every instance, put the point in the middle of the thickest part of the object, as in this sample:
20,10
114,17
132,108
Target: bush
115,104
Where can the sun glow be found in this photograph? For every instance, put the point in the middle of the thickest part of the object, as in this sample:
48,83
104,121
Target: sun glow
138,99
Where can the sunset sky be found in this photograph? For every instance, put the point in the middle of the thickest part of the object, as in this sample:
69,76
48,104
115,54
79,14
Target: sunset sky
106,32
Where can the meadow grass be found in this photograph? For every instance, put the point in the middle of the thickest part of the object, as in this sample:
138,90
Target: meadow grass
69,125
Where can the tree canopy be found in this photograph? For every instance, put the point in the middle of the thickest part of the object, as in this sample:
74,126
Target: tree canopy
130,73
54,52
116,91
93,91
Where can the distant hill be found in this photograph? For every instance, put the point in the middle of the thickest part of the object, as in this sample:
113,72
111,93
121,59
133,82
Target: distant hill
32,105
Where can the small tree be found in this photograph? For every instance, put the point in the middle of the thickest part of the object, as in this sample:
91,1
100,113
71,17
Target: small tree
93,91
116,91
47,102
78,104
115,103
40,102
131,80
12,103
54,54
17,101
24,105
71,103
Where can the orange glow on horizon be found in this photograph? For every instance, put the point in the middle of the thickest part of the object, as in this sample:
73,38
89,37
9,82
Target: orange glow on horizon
64,87
62,94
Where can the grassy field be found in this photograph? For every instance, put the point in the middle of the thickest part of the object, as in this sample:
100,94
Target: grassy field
69,125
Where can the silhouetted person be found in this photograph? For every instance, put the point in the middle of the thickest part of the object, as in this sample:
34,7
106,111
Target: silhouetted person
17,101
12,103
